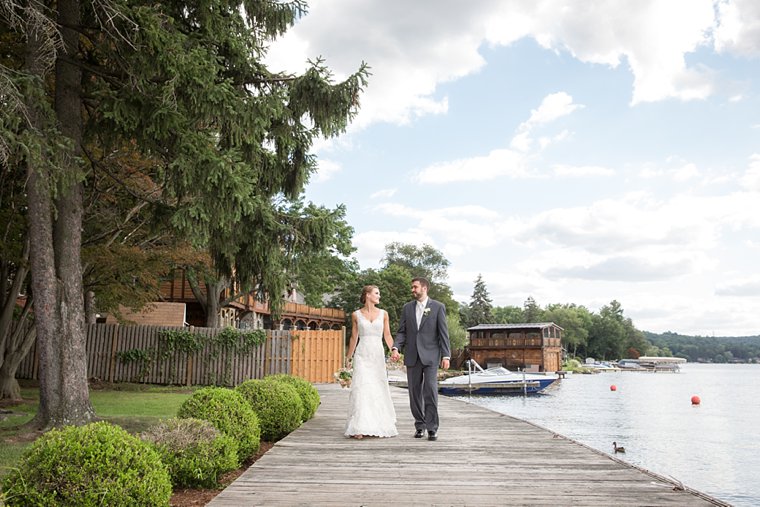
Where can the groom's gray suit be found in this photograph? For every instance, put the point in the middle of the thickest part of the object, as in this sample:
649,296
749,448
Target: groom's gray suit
423,349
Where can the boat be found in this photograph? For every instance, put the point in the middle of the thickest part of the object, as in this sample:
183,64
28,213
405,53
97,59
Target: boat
661,364
599,366
652,364
496,380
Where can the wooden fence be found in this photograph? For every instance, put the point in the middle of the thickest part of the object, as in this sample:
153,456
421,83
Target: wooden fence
134,354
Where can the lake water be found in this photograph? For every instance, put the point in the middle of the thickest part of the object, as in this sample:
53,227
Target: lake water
713,447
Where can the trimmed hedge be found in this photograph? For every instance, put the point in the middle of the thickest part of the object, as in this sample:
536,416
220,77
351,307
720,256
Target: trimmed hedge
195,452
308,393
230,413
92,465
277,404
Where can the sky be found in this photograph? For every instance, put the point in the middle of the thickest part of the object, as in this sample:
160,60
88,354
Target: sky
575,152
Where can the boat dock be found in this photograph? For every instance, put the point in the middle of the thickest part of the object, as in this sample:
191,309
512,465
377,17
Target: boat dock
484,387
481,458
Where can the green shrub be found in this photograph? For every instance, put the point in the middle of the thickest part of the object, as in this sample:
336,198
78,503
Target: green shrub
195,452
230,413
276,403
93,465
308,393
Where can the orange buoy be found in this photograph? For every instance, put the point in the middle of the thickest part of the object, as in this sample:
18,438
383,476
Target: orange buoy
613,387
695,400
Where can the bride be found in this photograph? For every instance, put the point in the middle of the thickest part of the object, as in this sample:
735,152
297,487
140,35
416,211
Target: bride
370,411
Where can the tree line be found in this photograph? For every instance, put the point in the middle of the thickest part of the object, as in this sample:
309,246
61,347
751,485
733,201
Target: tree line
711,349
607,334
604,335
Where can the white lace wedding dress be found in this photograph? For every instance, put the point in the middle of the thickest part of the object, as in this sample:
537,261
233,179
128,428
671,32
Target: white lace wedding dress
370,408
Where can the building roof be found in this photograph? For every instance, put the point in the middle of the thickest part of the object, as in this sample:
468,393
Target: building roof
530,325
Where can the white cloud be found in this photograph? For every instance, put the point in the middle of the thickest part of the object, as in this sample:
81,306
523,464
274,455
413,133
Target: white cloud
738,27
326,169
505,162
521,142
414,48
397,210
459,229
748,286
544,142
628,268
751,178
612,225
554,106
568,171
685,172
652,36
410,47
371,244
385,193
496,164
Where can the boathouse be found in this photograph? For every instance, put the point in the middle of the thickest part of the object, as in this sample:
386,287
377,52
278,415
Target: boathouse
532,346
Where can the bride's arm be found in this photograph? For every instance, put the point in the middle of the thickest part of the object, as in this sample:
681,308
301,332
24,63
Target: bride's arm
354,337
387,331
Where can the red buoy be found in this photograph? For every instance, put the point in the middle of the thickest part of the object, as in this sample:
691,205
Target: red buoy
695,400
613,387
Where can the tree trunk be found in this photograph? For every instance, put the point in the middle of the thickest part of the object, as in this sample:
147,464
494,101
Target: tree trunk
90,313
41,257
214,290
210,300
9,387
56,265
14,330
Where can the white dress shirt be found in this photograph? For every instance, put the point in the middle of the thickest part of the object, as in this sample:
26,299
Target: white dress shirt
420,310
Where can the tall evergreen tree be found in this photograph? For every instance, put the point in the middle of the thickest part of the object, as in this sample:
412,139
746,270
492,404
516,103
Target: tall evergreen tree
531,311
480,304
183,85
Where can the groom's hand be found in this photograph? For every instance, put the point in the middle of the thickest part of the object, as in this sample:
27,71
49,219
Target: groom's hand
395,355
445,363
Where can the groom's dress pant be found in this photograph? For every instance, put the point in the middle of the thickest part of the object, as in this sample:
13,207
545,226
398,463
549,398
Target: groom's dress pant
422,382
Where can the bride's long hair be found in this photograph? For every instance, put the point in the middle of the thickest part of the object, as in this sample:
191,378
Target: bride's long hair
366,290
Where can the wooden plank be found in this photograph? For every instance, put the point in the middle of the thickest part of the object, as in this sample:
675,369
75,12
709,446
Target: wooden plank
480,458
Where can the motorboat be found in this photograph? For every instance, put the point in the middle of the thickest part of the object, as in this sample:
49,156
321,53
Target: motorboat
496,380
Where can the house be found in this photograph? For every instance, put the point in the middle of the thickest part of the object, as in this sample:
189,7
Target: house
532,346
247,312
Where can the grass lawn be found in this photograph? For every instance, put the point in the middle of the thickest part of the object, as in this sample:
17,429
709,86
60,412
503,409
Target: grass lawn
134,407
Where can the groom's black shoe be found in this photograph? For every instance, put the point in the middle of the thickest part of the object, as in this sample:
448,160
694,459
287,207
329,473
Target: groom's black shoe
419,433
432,435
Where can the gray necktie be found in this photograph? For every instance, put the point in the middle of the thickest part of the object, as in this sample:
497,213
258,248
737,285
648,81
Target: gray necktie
420,309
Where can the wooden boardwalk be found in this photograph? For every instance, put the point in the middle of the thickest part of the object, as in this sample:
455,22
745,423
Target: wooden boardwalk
481,458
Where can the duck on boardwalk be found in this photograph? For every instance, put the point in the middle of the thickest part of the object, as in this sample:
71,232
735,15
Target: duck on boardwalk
616,448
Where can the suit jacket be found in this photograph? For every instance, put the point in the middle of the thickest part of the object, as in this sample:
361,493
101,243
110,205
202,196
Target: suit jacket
429,342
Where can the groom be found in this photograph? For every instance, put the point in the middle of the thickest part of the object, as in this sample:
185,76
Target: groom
424,337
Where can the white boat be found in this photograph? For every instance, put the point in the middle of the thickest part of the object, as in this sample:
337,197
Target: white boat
497,380
598,366
661,364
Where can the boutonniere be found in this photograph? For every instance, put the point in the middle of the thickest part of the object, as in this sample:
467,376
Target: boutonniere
425,312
